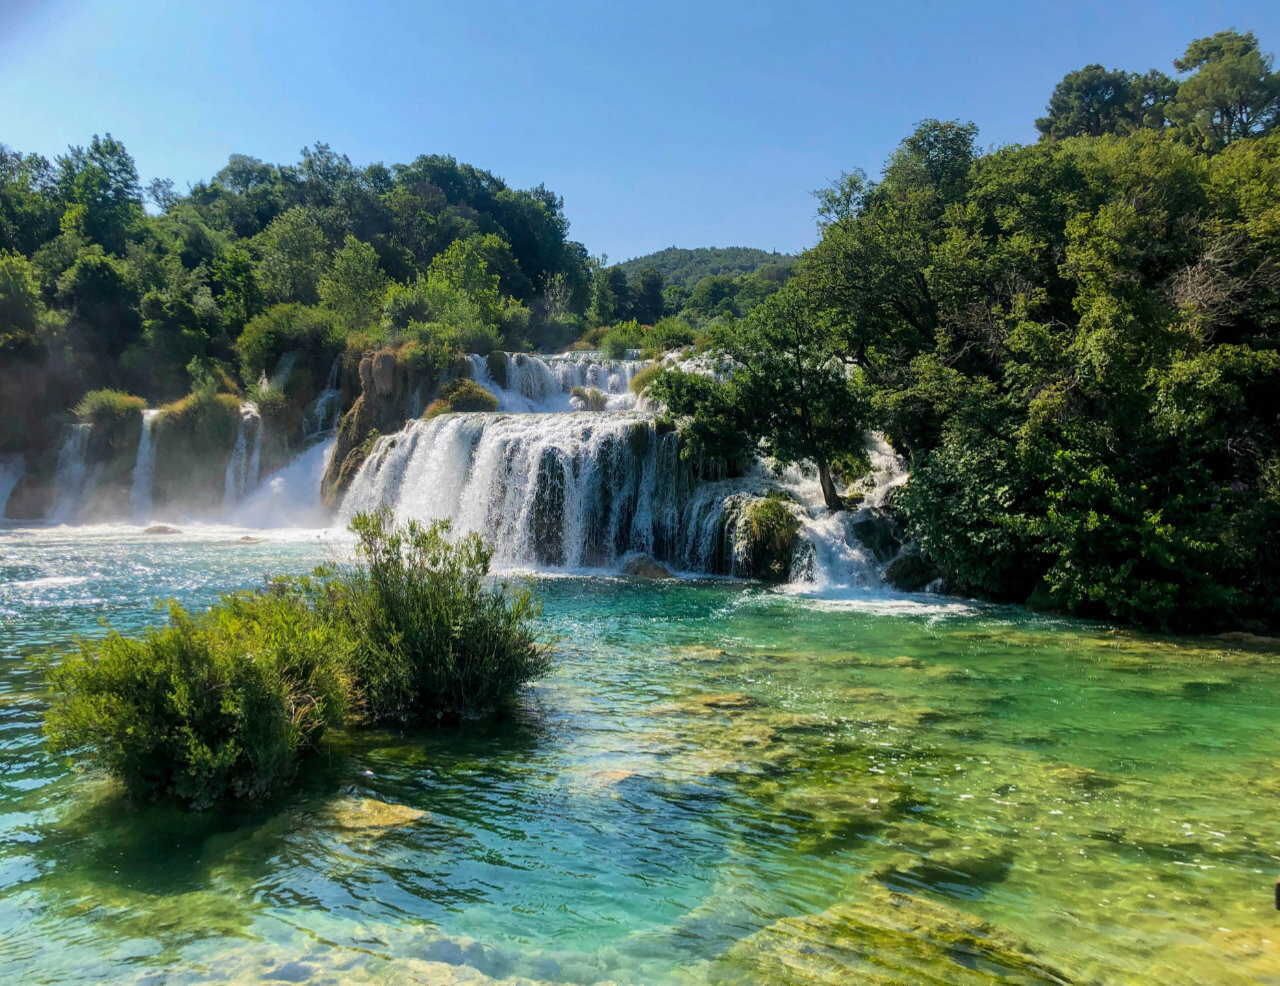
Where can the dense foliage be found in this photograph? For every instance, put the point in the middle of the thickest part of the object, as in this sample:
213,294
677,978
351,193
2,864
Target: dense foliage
220,706
685,268
260,260
1077,343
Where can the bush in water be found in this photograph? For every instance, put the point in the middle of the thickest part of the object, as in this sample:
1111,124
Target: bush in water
432,636
214,707
462,394
108,407
219,706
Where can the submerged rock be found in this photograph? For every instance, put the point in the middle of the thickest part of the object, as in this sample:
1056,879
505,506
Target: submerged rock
645,567
890,938
161,529
370,815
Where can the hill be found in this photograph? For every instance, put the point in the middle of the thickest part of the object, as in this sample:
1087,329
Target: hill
688,267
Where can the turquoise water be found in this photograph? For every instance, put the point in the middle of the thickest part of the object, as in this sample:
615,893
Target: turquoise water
718,783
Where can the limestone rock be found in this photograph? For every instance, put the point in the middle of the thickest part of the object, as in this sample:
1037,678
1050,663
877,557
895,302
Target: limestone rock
878,533
384,373
910,572
369,815
645,567
161,529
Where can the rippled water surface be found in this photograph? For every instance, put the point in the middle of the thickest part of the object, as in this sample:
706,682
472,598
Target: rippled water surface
718,783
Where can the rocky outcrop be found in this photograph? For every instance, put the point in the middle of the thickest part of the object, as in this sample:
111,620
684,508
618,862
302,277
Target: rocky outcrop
878,532
645,567
910,571
390,387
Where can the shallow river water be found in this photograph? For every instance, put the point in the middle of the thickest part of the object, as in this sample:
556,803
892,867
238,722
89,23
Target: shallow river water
717,783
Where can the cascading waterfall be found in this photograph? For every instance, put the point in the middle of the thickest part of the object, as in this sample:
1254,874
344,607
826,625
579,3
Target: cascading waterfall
323,413
569,491
290,497
544,384
11,469
246,455
69,478
143,471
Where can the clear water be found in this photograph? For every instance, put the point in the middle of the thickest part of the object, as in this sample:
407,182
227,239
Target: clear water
718,783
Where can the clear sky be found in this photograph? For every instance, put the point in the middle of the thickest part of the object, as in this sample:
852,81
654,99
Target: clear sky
688,124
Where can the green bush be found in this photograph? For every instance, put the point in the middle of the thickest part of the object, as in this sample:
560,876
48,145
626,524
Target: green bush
621,339
641,381
670,333
496,361
464,394
213,707
220,706
592,399
282,329
108,407
767,537
433,637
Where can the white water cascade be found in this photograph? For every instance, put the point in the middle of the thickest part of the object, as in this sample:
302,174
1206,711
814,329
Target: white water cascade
69,478
246,455
322,414
143,471
11,469
290,497
571,491
552,486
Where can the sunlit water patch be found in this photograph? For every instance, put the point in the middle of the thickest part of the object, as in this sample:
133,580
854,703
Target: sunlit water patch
717,783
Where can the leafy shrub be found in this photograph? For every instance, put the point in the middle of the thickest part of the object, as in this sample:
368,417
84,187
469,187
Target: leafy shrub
464,394
590,398
432,637
640,382
670,333
282,329
621,339
108,407
767,537
496,361
213,707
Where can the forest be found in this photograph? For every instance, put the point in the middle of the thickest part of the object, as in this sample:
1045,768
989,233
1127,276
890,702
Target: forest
1074,342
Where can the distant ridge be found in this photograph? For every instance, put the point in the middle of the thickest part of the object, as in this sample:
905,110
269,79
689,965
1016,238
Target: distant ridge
687,267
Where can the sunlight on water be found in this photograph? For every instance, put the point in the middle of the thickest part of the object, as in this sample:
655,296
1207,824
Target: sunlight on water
718,783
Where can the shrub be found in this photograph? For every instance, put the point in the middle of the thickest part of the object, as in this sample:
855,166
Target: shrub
670,333
213,707
108,407
496,361
464,394
282,329
621,339
767,537
433,637
641,380
590,398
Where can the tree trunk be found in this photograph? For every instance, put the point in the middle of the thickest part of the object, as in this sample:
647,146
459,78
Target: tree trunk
829,492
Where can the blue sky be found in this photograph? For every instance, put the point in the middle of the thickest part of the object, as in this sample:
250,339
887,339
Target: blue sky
693,124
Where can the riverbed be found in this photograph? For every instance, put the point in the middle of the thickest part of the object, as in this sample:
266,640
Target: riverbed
719,782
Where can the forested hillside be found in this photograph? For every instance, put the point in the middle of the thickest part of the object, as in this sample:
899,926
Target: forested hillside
321,255
1076,344
687,267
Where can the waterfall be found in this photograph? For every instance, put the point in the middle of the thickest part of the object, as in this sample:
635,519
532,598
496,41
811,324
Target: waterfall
322,414
291,497
11,469
69,484
246,454
143,471
544,384
567,491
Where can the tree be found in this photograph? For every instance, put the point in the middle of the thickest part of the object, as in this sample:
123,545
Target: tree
790,390
294,254
1232,94
20,306
647,307
1093,101
354,287
100,183
97,292
604,304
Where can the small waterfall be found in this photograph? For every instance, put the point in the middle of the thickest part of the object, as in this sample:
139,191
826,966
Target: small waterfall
291,497
244,463
567,491
11,469
69,476
544,384
322,414
143,471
